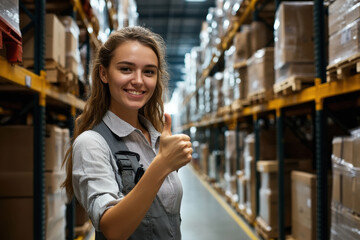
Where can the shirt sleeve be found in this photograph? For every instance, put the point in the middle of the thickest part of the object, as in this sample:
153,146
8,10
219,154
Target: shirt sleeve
94,175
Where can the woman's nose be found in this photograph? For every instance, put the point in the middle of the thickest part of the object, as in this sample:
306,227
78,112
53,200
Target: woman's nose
138,78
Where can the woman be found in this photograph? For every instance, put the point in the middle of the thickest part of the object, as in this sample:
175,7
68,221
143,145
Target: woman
129,75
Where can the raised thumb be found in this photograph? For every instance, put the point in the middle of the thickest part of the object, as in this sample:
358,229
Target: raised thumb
167,124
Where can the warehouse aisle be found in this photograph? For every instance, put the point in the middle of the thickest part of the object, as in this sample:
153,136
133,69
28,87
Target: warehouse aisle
206,216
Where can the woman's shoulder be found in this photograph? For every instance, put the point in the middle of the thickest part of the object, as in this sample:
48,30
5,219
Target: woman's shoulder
90,138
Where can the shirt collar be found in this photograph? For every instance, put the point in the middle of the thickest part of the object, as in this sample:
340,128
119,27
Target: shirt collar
123,129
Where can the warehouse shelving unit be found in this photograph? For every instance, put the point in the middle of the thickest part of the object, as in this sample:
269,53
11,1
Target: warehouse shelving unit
15,79
314,99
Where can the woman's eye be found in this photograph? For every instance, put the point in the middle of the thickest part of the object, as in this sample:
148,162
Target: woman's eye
125,69
149,72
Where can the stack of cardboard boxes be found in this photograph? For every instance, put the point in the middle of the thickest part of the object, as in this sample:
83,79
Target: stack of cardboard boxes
345,207
303,206
268,193
61,52
267,151
16,181
261,74
344,26
294,42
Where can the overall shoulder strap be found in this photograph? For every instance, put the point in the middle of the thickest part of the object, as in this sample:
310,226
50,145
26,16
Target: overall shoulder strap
112,140
127,162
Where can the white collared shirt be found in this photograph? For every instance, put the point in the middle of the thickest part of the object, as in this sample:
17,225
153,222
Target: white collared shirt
94,167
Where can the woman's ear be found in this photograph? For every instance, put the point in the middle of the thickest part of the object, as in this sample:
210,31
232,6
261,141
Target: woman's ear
103,74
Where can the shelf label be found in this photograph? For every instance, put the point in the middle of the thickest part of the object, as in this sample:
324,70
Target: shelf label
27,81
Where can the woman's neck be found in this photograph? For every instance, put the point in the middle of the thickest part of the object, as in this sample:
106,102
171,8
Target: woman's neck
130,117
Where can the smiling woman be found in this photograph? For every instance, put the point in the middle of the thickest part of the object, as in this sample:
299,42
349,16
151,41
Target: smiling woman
117,137
132,77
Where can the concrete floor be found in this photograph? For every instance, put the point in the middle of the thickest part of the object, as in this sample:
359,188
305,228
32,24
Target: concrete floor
206,215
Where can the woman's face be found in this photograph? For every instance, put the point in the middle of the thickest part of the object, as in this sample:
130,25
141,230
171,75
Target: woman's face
132,76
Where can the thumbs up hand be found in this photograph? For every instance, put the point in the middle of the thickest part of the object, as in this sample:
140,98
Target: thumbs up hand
175,150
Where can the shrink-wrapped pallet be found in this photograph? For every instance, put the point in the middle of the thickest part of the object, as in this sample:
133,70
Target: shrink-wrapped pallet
345,44
261,72
294,42
9,13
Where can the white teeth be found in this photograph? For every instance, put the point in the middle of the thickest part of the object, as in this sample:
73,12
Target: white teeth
134,92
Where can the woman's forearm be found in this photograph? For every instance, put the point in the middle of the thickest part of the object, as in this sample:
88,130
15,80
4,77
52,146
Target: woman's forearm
120,221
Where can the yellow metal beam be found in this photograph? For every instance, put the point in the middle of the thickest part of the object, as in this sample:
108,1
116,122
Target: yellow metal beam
15,74
19,75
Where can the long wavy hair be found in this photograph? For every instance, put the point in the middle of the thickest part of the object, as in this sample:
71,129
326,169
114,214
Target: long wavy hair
99,100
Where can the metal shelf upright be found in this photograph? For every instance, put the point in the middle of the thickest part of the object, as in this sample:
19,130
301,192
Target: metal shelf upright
321,161
39,124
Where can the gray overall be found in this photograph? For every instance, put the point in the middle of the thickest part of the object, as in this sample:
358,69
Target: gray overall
157,223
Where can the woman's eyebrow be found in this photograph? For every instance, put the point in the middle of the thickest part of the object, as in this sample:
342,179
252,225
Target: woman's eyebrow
133,64
151,66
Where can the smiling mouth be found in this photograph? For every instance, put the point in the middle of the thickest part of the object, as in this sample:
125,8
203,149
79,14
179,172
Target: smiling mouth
134,92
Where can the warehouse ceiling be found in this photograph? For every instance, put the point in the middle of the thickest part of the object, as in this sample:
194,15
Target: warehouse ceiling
179,23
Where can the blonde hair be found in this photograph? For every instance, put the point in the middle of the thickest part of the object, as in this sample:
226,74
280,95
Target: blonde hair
99,100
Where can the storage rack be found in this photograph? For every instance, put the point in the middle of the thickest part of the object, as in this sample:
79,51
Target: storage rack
315,96
15,79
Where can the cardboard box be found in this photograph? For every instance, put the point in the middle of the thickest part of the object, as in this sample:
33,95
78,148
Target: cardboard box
261,71
53,181
303,205
54,40
344,44
54,150
268,174
18,223
16,184
241,189
294,33
66,141
55,206
251,198
337,16
267,145
204,157
336,186
351,191
20,184
242,43
298,70
72,34
356,151
17,148
230,152
55,229
261,36
268,207
343,148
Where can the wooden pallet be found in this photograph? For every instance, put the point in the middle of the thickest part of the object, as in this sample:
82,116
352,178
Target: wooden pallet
241,64
54,71
240,208
238,104
57,75
264,230
343,69
260,96
250,218
223,111
292,84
